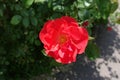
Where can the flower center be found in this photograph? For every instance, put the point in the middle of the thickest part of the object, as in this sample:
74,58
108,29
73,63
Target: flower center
62,39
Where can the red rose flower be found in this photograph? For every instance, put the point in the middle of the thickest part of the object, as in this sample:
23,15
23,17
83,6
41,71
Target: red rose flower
63,39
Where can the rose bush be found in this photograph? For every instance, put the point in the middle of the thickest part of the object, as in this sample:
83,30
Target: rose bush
63,39
21,20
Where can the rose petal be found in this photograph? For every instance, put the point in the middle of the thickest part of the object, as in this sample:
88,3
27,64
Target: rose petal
79,37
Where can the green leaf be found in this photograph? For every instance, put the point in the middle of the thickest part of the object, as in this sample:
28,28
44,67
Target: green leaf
80,4
16,19
24,13
91,38
37,42
81,14
87,4
31,12
114,1
1,12
32,39
43,51
18,7
7,63
26,21
39,1
118,21
104,9
92,51
34,21
89,31
28,3
57,7
114,6
54,63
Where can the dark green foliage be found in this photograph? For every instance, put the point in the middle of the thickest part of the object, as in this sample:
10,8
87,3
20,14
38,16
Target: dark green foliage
20,22
92,51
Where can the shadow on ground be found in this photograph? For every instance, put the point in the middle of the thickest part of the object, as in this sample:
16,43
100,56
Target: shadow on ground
81,70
